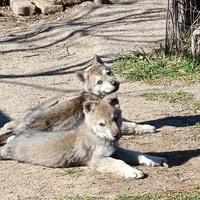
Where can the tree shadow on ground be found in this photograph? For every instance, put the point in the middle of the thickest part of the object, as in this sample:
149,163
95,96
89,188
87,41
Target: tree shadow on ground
175,121
3,119
40,87
61,70
179,157
78,28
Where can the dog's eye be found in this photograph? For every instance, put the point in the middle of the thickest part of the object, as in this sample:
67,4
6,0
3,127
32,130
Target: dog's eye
108,72
99,82
101,124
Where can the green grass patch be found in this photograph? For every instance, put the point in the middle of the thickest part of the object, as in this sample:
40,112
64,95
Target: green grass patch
172,97
197,125
158,69
177,196
196,106
141,197
191,195
73,171
76,198
184,98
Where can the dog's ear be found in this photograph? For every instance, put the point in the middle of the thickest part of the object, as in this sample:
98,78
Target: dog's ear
97,61
113,100
89,106
81,75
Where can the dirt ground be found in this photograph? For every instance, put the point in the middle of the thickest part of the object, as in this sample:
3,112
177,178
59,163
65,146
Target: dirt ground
38,58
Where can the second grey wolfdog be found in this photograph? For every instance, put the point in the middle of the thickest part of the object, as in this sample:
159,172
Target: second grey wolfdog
93,143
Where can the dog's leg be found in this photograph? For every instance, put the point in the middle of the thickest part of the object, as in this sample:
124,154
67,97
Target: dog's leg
137,158
115,166
3,152
129,128
8,127
6,131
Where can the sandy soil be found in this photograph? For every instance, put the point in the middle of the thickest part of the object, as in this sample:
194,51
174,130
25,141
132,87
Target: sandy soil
38,58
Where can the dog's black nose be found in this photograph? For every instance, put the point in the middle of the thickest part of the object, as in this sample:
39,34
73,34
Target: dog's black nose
115,83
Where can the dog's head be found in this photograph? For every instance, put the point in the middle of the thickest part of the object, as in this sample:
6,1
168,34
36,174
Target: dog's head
98,79
104,118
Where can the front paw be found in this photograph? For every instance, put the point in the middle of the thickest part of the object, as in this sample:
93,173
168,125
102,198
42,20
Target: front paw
141,129
153,161
134,173
7,127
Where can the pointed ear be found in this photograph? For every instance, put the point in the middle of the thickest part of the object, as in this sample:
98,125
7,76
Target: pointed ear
80,75
89,106
97,60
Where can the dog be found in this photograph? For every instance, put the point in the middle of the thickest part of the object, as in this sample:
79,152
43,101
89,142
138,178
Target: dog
93,143
98,81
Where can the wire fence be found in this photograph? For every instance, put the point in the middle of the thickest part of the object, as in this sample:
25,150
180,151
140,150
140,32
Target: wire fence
183,17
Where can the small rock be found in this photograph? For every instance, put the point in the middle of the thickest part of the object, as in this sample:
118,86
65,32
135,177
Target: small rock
57,2
98,2
86,4
71,2
46,7
114,1
22,7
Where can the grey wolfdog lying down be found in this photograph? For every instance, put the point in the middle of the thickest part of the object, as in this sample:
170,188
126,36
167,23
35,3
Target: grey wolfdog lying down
98,81
92,143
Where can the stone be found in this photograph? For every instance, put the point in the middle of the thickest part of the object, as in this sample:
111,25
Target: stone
98,2
22,7
55,2
71,2
114,1
195,44
86,4
47,7
63,2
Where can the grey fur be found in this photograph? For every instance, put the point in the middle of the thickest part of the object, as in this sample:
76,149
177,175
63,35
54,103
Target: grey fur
69,114
91,144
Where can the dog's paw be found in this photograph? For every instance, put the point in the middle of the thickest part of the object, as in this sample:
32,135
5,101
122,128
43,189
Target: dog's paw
134,173
153,161
7,127
141,129
129,128
12,137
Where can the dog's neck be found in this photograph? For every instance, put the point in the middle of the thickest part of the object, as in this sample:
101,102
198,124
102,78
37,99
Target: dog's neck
91,96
